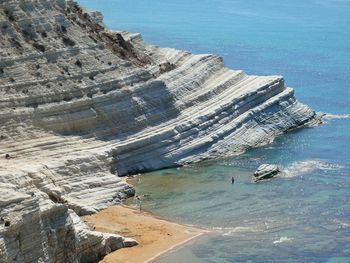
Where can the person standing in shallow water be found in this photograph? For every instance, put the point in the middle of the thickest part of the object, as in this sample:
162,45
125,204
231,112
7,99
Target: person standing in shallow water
232,180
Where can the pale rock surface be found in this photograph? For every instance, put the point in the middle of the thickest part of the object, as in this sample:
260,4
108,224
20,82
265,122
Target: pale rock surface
266,171
80,105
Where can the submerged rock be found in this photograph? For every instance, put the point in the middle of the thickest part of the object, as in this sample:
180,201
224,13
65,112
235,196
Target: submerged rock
266,171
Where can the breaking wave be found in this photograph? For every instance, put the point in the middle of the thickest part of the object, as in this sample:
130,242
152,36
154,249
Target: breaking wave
305,167
228,231
282,240
329,116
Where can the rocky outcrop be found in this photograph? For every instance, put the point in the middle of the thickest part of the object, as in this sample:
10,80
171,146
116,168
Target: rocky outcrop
266,171
80,105
34,230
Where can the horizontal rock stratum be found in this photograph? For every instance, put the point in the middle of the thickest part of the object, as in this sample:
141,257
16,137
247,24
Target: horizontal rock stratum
81,105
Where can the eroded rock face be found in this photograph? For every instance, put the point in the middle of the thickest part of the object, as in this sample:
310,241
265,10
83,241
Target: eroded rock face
39,230
80,104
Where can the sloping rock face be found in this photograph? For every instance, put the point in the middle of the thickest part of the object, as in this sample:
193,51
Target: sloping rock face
41,231
80,104
266,171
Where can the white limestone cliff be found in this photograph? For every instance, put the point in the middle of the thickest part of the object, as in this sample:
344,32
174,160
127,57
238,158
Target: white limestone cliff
81,105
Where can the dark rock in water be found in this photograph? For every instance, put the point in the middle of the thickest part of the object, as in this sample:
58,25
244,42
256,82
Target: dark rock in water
265,171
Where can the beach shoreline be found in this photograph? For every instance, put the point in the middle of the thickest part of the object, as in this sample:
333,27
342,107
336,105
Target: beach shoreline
156,236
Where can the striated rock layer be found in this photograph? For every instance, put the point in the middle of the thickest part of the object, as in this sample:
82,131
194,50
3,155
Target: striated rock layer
81,105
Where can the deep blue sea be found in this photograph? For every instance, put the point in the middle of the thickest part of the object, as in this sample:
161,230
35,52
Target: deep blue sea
302,215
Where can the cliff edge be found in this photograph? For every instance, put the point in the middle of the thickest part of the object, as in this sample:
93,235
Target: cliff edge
81,105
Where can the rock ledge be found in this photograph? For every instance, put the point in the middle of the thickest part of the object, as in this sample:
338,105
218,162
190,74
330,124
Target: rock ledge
81,105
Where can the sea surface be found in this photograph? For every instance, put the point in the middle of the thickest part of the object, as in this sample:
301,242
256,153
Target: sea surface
303,215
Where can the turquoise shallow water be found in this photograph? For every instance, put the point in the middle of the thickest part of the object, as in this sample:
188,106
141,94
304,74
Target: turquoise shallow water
302,215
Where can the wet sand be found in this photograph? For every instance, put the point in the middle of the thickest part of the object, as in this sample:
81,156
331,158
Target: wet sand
156,236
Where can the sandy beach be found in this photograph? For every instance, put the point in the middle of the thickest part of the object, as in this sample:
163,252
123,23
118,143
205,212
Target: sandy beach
156,236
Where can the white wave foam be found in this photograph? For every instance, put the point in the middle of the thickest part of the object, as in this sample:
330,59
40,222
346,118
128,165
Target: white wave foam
228,231
282,240
341,223
336,116
255,226
305,167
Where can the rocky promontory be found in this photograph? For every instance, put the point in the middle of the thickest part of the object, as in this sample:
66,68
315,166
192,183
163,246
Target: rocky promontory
81,105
